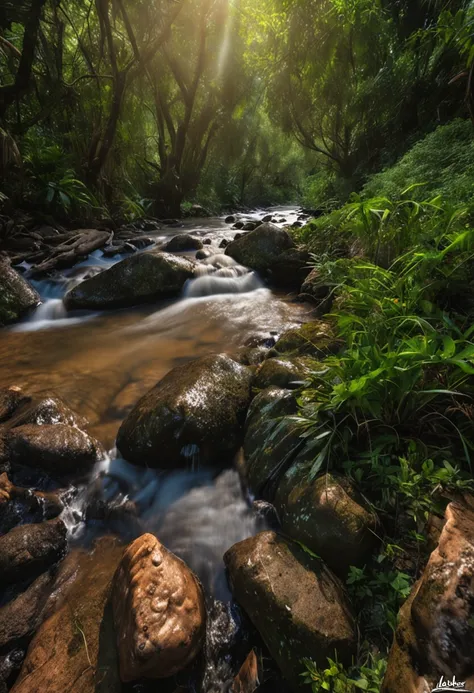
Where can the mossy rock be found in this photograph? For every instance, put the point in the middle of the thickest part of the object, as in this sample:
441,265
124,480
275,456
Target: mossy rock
17,296
285,372
317,338
294,601
272,440
260,248
327,515
142,278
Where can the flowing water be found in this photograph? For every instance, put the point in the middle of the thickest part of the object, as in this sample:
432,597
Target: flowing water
102,363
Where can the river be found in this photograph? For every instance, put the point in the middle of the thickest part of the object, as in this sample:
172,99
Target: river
102,363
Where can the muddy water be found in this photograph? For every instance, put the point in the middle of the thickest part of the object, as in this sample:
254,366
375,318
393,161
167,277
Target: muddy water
102,363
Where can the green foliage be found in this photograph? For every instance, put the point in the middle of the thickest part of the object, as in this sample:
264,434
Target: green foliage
443,161
337,679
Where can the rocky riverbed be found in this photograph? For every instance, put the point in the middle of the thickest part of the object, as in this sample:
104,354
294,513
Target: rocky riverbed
159,519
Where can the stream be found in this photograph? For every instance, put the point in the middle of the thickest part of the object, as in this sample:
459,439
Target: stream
102,363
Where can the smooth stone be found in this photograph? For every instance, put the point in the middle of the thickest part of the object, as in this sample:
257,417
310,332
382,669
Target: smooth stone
315,338
284,372
159,612
58,449
28,550
183,242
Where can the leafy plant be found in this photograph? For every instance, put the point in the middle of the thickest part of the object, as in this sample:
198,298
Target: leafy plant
337,679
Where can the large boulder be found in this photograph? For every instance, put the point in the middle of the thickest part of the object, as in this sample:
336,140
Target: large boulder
436,625
297,605
327,515
74,648
17,296
183,242
260,248
159,611
195,414
59,449
142,278
28,550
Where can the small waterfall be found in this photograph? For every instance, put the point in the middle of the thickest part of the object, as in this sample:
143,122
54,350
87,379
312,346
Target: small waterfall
226,283
54,309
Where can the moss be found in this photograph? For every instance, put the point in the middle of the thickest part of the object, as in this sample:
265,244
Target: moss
316,338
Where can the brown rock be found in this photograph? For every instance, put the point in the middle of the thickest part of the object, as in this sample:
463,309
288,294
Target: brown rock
297,605
159,611
28,550
436,625
74,648
58,449
20,618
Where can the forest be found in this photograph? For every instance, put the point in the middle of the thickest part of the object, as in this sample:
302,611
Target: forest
236,346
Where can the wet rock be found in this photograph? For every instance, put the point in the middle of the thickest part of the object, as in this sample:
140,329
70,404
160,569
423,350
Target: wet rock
326,515
203,254
313,338
183,242
142,278
74,648
272,442
230,219
16,502
260,248
159,611
20,618
207,241
28,550
290,269
224,243
17,296
436,625
11,399
267,218
297,605
194,414
249,226
238,225
296,225
50,410
251,356
282,372
58,449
